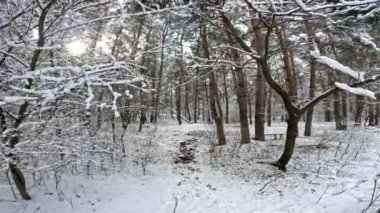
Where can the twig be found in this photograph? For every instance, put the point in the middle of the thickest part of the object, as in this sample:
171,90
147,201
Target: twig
320,198
175,203
373,193
271,181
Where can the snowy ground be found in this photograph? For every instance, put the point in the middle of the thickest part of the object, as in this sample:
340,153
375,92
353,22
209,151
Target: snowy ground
330,172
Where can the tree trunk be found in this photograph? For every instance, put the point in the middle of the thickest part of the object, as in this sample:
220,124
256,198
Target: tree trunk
269,107
142,110
359,101
338,111
171,104
153,95
187,102
216,110
19,181
241,93
99,118
195,101
225,94
206,103
249,101
260,85
160,73
344,110
17,175
178,99
312,64
291,135
377,114
291,78
326,101
371,114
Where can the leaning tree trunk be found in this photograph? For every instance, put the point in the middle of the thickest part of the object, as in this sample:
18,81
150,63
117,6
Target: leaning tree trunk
291,78
291,135
14,139
19,180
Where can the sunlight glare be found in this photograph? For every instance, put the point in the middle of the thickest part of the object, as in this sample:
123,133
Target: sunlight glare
76,48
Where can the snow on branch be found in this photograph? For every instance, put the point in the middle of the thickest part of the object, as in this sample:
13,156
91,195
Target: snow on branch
356,91
337,66
366,40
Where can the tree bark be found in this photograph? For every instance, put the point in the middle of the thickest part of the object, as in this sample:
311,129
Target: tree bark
216,110
225,94
142,110
269,107
249,101
371,114
291,78
344,110
377,116
291,135
359,101
178,98
241,93
160,73
196,101
171,104
312,64
187,103
260,84
338,111
14,139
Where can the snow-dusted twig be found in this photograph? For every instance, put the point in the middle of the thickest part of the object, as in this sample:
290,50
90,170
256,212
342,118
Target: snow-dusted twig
269,182
175,203
373,193
324,192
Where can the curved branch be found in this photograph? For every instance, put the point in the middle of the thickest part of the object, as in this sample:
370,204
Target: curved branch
276,87
8,54
324,95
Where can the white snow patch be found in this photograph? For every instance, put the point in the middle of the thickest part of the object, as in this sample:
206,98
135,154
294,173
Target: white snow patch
356,91
337,66
90,97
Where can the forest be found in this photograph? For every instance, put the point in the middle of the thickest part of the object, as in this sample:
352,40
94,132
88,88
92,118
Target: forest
189,106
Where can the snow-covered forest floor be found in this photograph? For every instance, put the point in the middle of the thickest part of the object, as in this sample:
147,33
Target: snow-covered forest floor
333,171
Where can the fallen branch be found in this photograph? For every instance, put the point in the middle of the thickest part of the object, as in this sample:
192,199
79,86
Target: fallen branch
175,203
373,193
269,182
